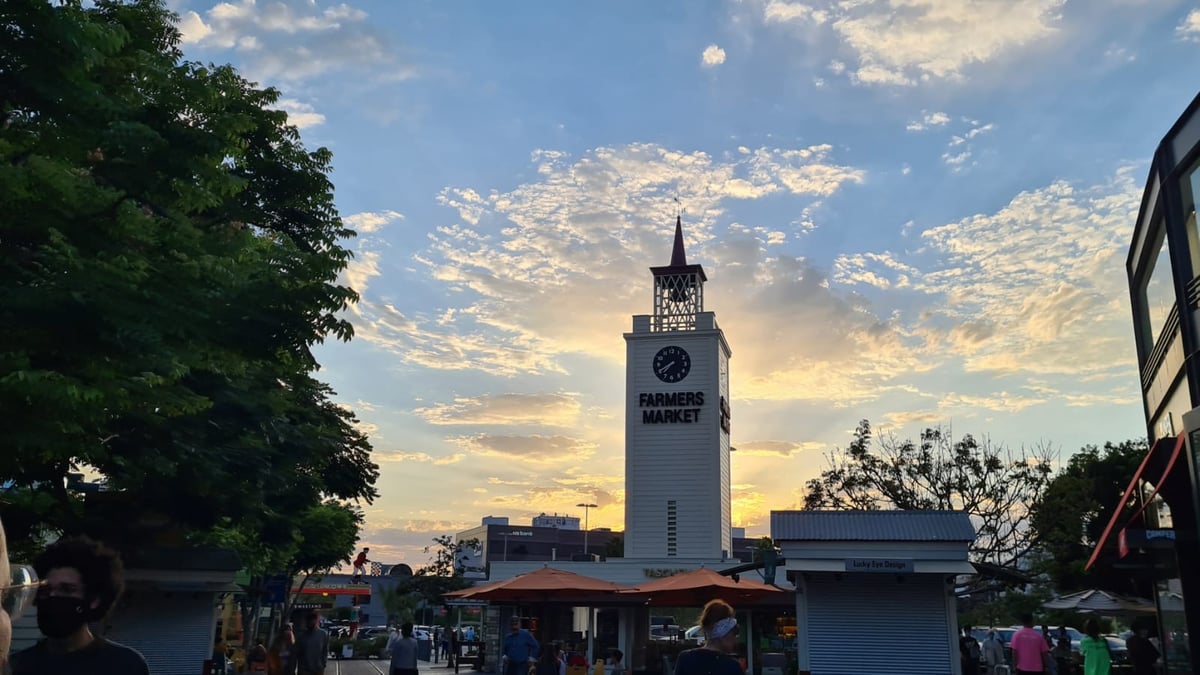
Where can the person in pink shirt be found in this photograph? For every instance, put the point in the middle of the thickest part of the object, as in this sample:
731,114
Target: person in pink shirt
1029,649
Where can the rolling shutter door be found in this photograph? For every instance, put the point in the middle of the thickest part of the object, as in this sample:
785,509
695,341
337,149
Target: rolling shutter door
871,624
174,631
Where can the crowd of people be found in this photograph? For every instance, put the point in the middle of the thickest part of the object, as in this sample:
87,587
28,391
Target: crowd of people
75,582
1042,652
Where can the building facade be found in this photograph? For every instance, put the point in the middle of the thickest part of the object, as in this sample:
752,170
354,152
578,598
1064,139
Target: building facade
1159,541
556,521
677,417
492,542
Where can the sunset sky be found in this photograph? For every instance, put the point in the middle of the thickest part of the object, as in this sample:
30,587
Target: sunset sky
911,211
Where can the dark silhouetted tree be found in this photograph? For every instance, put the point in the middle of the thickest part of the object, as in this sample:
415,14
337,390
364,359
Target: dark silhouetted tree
994,484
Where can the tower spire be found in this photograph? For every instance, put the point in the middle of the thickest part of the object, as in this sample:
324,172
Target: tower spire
678,256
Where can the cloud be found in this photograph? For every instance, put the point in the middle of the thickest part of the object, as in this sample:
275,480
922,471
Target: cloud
778,11
749,505
291,40
521,260
775,448
959,149
371,221
1189,28
713,56
359,271
398,456
300,115
905,42
536,448
505,409
936,119
1036,288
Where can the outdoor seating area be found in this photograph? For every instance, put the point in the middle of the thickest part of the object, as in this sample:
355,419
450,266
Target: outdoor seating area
599,616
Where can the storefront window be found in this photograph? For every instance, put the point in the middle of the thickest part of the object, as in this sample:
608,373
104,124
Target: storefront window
1188,192
1159,292
1174,638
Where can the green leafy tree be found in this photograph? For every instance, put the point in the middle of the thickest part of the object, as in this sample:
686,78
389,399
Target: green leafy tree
400,603
326,535
170,252
1076,507
614,547
442,575
994,484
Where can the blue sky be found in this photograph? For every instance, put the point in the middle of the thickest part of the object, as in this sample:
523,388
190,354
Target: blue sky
911,211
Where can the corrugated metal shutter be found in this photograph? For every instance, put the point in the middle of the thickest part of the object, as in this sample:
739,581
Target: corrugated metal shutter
871,624
173,631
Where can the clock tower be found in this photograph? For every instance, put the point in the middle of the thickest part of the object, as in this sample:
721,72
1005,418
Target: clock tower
677,501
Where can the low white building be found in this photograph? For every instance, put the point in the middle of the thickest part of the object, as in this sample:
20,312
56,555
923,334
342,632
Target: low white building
875,589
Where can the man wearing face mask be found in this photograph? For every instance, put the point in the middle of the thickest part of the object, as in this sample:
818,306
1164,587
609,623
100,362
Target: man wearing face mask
82,581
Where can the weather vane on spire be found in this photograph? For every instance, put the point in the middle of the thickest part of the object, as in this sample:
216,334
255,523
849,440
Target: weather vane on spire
678,208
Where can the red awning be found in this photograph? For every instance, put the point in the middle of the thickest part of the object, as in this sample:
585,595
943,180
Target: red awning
1159,446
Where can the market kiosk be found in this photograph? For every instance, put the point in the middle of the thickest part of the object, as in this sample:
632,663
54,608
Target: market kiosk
875,589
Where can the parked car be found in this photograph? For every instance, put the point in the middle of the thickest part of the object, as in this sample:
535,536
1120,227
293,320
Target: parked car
1003,634
1117,650
664,633
694,635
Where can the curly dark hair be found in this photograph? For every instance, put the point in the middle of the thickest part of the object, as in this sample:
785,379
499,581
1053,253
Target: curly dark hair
99,567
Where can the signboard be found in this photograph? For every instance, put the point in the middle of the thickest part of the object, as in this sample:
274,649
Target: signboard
466,602
313,605
275,587
880,565
676,407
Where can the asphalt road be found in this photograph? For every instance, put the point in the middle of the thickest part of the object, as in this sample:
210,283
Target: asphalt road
379,667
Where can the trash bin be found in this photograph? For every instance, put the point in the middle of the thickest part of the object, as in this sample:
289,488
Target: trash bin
424,650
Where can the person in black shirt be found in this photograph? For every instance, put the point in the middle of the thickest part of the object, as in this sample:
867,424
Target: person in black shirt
1143,655
83,580
720,640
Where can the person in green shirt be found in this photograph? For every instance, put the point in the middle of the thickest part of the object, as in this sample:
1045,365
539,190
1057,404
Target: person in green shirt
1094,648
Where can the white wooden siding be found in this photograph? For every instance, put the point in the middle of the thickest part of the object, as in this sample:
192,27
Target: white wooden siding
687,463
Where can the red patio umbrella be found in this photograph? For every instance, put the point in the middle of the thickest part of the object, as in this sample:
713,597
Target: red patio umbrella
692,589
542,585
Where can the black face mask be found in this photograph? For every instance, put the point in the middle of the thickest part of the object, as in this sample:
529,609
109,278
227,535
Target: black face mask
59,616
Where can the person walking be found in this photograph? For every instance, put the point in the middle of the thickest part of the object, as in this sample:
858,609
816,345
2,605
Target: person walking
969,651
993,654
720,640
83,580
312,647
1097,659
518,649
1143,655
404,652
548,663
1029,649
281,660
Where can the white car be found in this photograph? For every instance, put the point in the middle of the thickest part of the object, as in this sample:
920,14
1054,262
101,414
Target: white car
694,634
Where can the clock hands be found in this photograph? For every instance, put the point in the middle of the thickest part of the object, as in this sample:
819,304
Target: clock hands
666,367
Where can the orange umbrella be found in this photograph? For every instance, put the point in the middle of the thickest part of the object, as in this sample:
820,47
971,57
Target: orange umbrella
692,589
542,585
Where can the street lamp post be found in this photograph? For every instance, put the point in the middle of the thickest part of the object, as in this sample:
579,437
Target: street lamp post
586,511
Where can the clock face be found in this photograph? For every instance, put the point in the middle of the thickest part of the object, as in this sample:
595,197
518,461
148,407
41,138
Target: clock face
672,364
